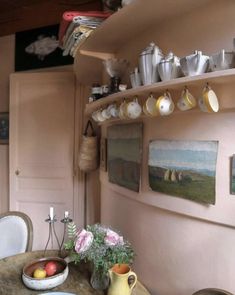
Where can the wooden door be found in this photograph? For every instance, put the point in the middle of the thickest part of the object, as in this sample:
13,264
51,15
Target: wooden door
42,148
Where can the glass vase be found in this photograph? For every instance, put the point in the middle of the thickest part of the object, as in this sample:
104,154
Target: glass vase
99,280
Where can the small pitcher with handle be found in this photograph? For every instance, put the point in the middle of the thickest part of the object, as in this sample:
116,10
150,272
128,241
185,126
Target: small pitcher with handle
119,284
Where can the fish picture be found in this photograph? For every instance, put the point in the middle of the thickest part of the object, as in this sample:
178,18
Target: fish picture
39,48
185,169
43,46
124,150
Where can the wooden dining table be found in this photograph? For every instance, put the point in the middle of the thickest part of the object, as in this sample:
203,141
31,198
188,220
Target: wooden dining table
77,281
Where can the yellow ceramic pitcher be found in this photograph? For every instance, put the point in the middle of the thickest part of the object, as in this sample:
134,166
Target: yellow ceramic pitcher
119,275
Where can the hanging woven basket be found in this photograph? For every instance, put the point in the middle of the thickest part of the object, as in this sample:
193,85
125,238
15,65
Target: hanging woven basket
88,155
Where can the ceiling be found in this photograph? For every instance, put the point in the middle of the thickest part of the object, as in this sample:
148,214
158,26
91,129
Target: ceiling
21,15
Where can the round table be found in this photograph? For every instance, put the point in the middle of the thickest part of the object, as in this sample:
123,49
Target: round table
77,281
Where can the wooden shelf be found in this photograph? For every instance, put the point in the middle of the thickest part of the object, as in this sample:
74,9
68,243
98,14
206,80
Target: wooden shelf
115,32
218,77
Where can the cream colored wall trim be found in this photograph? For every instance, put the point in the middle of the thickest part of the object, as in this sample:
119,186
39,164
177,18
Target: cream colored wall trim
4,178
87,207
82,93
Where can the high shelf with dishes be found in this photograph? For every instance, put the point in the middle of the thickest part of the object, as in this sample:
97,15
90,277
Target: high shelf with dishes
122,27
120,30
218,77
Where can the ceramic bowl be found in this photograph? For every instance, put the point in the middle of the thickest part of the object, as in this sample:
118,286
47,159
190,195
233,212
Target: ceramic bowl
212,291
48,282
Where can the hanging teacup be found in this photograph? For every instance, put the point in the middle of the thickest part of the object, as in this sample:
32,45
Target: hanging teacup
99,116
106,114
122,110
165,105
113,110
133,109
186,101
150,106
209,101
94,116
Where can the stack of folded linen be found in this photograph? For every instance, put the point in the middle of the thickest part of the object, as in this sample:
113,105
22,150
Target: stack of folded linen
76,26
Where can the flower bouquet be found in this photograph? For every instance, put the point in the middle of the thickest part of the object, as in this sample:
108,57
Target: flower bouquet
101,246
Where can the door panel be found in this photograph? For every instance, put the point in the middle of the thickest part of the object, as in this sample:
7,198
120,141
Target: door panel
42,147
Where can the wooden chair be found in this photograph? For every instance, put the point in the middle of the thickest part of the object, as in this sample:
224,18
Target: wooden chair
16,232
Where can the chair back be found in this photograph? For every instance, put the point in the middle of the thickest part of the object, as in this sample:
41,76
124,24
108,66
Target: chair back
16,231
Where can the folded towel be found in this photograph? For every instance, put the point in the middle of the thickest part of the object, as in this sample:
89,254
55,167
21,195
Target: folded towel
74,24
76,38
68,16
81,38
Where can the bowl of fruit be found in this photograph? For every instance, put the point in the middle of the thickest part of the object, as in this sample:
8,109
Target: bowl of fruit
45,273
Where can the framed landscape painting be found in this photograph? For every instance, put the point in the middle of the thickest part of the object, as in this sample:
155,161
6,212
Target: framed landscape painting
125,155
185,169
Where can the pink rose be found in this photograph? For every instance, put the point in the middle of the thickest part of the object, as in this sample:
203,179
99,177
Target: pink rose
84,241
112,238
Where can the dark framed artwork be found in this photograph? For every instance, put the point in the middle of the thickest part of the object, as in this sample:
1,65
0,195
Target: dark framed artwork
185,169
103,154
232,177
4,128
39,48
125,155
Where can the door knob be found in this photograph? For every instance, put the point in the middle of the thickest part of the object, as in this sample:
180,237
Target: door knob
17,172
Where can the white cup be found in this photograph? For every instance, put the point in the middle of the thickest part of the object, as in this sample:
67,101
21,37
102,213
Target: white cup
209,102
123,110
106,114
99,116
113,110
94,117
133,109
186,101
150,106
165,104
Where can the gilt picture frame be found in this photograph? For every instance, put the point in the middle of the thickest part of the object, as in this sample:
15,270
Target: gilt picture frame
39,48
103,154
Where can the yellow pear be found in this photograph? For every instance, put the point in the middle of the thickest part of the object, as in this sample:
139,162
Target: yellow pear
39,273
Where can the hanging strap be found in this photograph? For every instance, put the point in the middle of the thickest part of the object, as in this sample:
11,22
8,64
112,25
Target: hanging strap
86,129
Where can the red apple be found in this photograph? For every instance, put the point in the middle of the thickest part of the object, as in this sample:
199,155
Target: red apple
50,268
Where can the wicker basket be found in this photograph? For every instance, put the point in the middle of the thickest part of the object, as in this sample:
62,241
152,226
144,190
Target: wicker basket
88,156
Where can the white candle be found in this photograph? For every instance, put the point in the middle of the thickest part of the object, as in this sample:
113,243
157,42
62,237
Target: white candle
66,214
51,213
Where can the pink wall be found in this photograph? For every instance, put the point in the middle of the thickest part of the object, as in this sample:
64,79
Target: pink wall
182,246
7,67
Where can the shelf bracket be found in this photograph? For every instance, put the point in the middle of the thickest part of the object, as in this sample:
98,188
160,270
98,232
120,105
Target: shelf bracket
96,54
